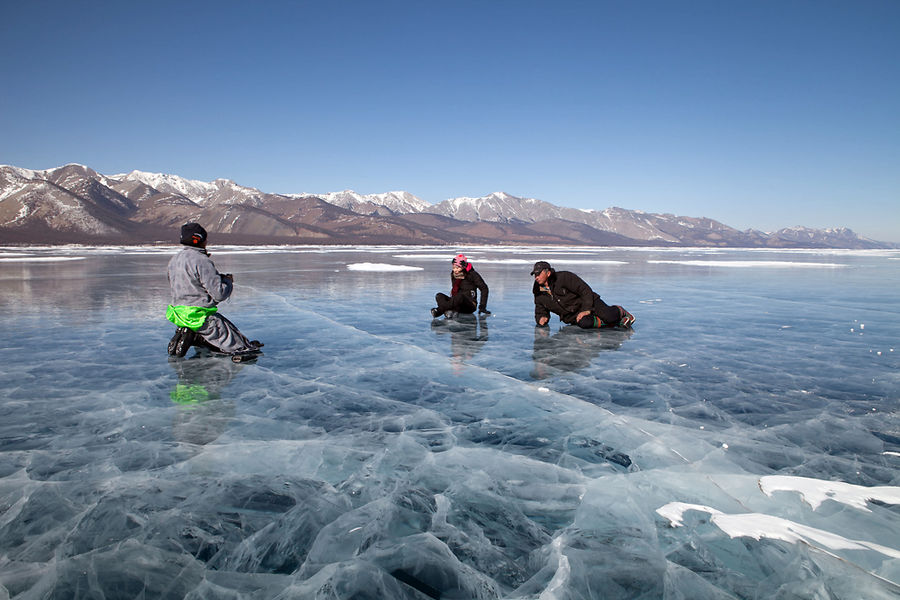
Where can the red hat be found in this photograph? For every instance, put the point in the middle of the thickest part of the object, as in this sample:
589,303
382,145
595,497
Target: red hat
461,260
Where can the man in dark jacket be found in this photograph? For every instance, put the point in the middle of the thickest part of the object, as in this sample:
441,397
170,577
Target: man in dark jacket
567,295
197,287
464,281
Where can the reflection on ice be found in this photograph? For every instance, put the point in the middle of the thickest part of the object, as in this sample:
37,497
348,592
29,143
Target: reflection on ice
201,380
572,348
468,334
374,452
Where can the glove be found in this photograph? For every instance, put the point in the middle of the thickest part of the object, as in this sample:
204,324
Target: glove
483,311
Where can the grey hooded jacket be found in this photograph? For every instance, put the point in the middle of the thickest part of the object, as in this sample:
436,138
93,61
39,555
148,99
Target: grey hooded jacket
194,279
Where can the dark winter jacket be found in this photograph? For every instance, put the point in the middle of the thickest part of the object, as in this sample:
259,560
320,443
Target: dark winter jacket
568,296
467,286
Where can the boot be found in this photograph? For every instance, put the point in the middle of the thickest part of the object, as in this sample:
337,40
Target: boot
627,317
174,341
185,341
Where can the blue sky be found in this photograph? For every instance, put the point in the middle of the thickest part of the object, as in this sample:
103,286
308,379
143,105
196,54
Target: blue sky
762,114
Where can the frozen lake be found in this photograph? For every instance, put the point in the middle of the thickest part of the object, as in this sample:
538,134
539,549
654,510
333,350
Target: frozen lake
743,441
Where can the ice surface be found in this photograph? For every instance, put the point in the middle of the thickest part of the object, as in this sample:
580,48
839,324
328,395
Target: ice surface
373,452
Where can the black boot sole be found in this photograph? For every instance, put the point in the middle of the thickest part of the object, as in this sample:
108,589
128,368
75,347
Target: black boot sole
185,341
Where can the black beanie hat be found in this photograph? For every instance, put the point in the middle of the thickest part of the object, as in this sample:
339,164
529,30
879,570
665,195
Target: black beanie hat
192,234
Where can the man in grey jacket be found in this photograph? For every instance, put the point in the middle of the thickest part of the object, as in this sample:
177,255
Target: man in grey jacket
197,287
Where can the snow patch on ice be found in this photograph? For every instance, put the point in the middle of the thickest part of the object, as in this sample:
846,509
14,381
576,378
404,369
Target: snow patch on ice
815,491
40,258
448,257
758,526
381,267
505,261
589,262
749,263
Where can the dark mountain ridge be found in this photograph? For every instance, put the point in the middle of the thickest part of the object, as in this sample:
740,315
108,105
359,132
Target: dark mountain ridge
75,204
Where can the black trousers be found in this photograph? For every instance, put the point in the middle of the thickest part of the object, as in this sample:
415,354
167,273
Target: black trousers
458,303
610,315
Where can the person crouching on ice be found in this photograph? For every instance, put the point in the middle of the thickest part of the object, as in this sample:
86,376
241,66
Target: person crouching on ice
197,287
567,295
463,296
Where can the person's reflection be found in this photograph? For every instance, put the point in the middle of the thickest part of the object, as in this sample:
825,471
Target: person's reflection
203,415
572,348
468,334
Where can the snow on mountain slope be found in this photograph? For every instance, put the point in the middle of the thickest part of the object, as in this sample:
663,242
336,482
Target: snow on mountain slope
198,191
44,202
499,207
396,202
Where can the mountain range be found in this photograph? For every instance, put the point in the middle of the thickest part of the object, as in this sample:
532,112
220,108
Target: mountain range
75,204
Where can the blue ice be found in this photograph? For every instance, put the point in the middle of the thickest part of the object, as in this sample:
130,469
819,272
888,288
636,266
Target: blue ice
741,442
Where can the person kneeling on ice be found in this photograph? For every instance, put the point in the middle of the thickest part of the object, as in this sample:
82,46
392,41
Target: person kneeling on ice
464,282
567,295
197,287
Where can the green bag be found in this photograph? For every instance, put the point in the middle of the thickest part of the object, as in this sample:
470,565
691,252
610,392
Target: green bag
192,317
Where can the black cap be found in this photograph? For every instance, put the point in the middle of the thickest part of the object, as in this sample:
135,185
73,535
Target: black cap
192,234
539,266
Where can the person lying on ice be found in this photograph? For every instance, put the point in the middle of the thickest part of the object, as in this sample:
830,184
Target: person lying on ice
567,295
464,281
197,287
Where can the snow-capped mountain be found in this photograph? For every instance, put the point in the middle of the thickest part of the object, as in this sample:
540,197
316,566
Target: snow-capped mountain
391,202
74,203
840,237
69,174
72,199
197,191
220,191
498,207
56,208
505,208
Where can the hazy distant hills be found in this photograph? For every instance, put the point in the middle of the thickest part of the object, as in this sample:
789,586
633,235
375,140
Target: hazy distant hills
75,204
